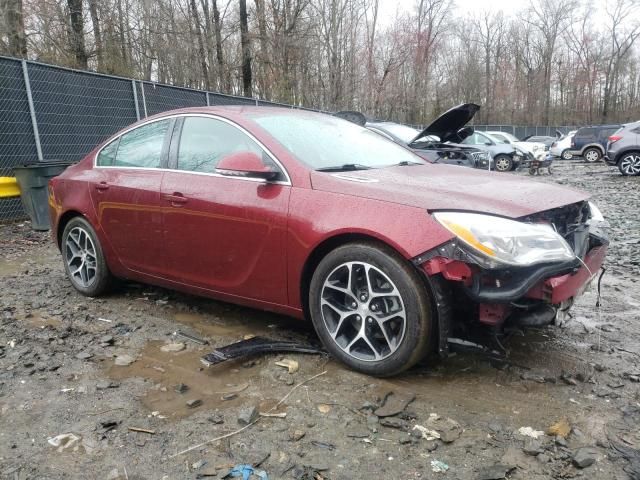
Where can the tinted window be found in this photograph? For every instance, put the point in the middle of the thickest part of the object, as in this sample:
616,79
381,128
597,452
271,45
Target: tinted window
204,141
585,132
608,131
107,155
636,130
142,147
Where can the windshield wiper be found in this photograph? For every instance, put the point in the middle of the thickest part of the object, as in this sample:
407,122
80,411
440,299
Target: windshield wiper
347,167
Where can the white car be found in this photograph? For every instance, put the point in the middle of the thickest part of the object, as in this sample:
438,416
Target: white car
562,147
531,147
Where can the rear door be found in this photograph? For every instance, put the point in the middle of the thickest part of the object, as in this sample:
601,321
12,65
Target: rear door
126,195
225,234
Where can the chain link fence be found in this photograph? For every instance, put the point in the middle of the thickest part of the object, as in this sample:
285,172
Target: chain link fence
55,113
522,131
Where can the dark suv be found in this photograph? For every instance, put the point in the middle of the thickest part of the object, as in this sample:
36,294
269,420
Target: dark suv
590,143
623,149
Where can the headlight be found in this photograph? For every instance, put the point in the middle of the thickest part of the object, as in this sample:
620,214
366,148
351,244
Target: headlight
506,242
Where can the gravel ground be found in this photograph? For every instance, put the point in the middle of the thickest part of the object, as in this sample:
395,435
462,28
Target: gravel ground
59,374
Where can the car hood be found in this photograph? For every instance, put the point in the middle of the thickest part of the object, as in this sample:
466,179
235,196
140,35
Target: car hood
447,187
447,125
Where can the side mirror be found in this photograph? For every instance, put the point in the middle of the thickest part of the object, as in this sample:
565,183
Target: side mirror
246,165
488,143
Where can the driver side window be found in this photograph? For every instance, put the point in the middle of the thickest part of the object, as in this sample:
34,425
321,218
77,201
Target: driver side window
205,141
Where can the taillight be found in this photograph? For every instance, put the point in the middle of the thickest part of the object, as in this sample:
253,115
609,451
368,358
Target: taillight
614,138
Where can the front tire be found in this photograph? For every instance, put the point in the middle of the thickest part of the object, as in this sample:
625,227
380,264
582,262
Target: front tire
504,163
83,258
629,164
371,309
566,154
592,155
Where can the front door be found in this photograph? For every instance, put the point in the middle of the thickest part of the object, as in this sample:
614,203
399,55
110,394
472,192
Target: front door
126,195
221,233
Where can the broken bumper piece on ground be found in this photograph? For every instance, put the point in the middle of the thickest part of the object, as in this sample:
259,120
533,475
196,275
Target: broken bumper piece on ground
255,346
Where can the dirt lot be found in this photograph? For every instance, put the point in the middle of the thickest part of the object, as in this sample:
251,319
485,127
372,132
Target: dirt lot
58,375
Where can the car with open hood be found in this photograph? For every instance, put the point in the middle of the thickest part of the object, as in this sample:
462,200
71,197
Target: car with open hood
307,215
507,138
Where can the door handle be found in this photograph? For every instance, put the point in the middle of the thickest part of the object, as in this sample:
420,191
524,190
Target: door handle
102,186
176,198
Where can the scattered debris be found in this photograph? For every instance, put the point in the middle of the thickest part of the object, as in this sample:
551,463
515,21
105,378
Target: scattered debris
196,402
216,419
245,472
254,346
295,435
248,415
584,457
324,408
495,472
124,360
530,432
392,422
533,447
274,415
142,430
439,467
229,396
173,347
193,338
328,446
181,388
560,429
426,433
289,364
65,441
84,355
394,403
106,320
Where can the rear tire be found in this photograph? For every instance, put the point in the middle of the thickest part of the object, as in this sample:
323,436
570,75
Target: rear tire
503,163
371,309
592,155
566,154
83,258
629,164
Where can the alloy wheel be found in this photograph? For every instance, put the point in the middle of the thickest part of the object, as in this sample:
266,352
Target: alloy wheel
363,311
592,156
80,255
503,164
566,155
630,164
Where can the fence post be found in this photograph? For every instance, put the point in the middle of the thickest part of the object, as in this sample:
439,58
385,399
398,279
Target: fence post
256,100
144,100
208,101
135,98
32,111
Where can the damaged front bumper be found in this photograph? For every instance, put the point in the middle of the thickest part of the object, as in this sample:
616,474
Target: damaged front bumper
518,296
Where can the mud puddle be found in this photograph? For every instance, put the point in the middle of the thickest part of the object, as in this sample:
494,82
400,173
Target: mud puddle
224,386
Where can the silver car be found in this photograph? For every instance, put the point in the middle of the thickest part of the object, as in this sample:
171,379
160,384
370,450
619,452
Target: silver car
623,149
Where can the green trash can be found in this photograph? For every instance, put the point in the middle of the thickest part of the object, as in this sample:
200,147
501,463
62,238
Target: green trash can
34,180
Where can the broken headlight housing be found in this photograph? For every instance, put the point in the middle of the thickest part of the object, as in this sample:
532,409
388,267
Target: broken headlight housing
500,242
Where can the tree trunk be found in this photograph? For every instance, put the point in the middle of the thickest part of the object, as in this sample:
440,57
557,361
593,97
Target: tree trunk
201,51
246,49
77,33
222,72
97,35
15,26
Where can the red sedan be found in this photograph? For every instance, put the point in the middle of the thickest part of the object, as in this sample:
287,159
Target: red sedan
312,216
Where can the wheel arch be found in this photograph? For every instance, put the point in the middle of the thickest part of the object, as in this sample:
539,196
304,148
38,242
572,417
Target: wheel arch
323,248
65,218
593,145
627,150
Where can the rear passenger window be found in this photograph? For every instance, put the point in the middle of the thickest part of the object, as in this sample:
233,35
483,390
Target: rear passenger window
142,147
585,132
107,155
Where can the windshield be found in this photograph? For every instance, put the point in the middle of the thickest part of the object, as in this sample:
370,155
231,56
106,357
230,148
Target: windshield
324,142
508,136
404,133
